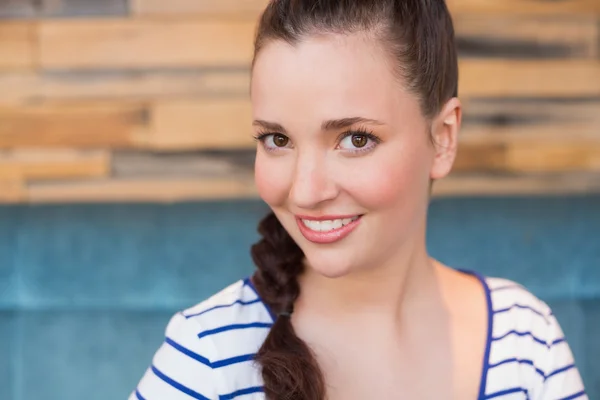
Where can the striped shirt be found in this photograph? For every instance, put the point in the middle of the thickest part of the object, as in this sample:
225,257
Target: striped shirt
208,349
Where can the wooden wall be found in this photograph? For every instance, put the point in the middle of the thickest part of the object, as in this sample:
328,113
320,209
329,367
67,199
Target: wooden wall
146,100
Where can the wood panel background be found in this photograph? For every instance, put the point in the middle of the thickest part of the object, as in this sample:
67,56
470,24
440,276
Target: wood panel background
146,100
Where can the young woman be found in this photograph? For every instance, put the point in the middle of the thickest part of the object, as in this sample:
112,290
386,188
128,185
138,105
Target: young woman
356,114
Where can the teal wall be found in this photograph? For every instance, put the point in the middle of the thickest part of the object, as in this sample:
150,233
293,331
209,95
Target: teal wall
86,290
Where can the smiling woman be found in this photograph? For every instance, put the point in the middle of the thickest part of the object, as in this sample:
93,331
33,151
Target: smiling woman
356,113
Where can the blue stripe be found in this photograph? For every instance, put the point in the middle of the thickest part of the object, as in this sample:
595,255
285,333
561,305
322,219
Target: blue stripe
527,362
560,370
206,361
505,392
557,341
233,360
513,332
256,389
522,307
234,327
506,287
188,352
574,396
139,396
248,282
241,302
178,385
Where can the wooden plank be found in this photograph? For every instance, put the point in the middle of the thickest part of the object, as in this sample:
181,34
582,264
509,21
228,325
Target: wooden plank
137,43
71,125
203,124
512,7
17,9
16,45
54,164
18,88
501,78
526,37
177,190
137,164
208,8
458,185
141,190
76,8
12,191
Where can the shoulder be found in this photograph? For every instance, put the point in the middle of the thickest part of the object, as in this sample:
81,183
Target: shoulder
209,346
526,341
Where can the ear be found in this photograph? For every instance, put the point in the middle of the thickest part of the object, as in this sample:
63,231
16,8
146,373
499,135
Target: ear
445,130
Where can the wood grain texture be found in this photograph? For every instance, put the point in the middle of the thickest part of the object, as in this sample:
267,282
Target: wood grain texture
82,126
206,8
75,8
484,185
536,7
16,46
137,44
17,9
527,78
53,164
19,88
151,190
203,124
527,37
12,191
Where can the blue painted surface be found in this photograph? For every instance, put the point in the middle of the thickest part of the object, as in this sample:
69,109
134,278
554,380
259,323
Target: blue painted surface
86,291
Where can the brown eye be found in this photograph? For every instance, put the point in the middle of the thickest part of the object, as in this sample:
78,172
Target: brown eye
359,140
280,140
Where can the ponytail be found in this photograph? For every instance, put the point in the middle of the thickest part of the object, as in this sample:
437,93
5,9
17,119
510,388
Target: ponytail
289,368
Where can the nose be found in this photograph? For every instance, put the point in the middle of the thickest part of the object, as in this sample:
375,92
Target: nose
312,182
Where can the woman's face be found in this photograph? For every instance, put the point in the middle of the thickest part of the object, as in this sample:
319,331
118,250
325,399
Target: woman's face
345,155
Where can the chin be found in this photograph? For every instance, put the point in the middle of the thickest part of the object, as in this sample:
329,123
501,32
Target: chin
329,263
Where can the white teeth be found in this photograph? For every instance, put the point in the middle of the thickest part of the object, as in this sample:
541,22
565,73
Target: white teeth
327,225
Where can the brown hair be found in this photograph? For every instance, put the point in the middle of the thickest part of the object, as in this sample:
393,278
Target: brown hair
419,37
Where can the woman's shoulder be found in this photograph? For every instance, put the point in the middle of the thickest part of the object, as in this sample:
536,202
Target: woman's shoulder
209,346
526,339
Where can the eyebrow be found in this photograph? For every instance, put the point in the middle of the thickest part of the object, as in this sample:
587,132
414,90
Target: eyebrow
332,124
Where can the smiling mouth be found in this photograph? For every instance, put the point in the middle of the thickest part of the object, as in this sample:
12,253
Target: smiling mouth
327,225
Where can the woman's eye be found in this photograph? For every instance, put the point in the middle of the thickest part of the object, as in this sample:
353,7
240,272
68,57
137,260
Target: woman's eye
354,141
280,140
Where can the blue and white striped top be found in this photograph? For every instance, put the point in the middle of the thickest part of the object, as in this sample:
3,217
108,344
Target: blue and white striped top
208,349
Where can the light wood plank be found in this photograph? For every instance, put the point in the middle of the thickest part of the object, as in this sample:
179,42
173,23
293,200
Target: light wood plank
71,125
19,88
204,124
16,46
54,164
458,185
501,78
169,191
538,7
137,43
141,190
12,191
207,8
527,37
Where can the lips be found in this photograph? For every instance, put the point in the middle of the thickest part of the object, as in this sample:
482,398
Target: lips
327,229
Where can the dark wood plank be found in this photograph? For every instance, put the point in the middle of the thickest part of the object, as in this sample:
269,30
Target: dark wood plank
17,9
80,8
532,7
527,37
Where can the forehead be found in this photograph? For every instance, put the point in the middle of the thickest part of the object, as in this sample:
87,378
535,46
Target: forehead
329,76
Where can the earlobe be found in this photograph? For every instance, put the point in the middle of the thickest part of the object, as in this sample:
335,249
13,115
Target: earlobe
445,135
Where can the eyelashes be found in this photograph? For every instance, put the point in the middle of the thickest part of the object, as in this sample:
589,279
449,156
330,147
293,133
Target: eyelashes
267,139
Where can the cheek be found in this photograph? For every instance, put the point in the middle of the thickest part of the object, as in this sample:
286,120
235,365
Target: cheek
396,180
271,180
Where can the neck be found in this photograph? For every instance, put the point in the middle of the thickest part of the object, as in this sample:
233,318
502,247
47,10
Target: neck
402,284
